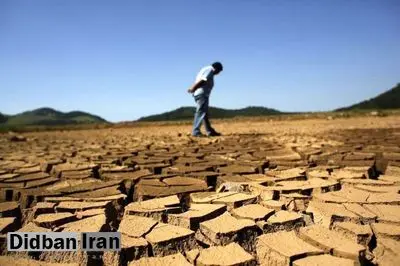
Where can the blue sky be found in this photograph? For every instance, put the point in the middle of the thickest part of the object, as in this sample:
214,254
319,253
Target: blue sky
127,59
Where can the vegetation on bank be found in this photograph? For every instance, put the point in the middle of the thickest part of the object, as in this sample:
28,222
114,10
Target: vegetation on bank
45,119
48,117
387,100
186,113
188,122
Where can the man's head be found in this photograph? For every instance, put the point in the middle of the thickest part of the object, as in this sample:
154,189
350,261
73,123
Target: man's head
218,67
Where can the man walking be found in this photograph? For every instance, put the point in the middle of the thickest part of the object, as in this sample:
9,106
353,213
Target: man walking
201,91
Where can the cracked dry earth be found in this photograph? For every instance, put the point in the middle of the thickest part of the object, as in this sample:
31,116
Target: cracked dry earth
309,192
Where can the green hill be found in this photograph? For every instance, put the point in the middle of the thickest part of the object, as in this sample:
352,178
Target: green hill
3,118
49,117
387,100
185,113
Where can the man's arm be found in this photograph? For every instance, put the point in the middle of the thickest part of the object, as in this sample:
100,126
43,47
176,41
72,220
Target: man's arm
195,86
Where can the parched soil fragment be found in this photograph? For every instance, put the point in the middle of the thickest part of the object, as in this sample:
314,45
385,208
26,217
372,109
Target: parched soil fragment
360,234
132,249
91,224
154,188
254,212
236,200
166,239
8,224
133,175
295,201
387,251
288,175
208,197
43,207
89,213
332,242
196,214
73,206
346,174
308,187
325,214
27,177
282,248
365,215
282,220
155,208
273,204
386,213
170,260
229,255
32,227
9,209
181,169
226,229
52,220
230,199
323,260
386,230
11,260
392,198
379,189
136,226
238,170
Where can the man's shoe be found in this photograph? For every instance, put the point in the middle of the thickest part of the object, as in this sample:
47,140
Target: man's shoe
214,134
200,135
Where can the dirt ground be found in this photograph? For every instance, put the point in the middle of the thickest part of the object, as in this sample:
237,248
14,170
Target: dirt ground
299,192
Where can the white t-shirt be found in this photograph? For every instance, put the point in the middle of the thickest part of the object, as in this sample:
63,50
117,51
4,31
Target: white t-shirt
206,74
